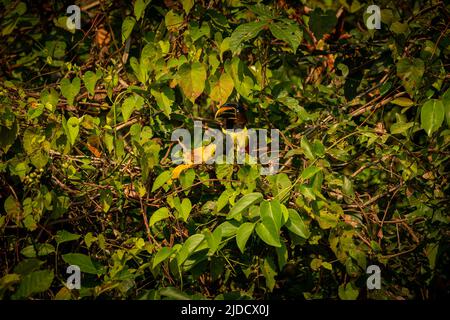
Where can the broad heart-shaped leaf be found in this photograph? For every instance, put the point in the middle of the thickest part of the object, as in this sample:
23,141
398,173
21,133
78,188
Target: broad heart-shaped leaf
322,22
244,33
127,26
410,71
432,115
268,233
158,215
35,282
222,89
243,203
50,99
287,32
192,79
296,225
271,211
243,233
73,127
90,79
164,98
188,247
81,260
187,5
12,208
173,21
162,255
348,292
70,89
161,179
134,102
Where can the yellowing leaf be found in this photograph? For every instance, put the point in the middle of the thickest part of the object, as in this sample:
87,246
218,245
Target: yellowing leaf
179,169
192,79
222,89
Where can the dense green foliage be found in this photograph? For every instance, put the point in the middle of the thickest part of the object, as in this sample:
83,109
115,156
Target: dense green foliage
86,118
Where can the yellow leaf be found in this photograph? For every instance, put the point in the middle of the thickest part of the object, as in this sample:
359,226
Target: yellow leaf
179,169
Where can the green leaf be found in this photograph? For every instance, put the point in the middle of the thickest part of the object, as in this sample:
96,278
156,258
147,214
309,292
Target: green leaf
134,102
164,98
12,208
192,79
306,148
73,127
106,199
403,102
139,8
188,247
158,215
268,233
187,5
35,282
432,116
309,172
400,127
90,79
271,211
173,21
410,71
43,249
162,255
65,236
81,260
322,22
269,272
289,33
282,255
296,225
446,102
187,179
186,207
243,233
348,291
161,180
327,219
127,26
49,99
70,89
174,294
213,239
222,89
27,266
244,33
243,203
399,28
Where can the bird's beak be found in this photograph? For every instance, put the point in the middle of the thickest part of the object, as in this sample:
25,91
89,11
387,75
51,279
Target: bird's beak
226,110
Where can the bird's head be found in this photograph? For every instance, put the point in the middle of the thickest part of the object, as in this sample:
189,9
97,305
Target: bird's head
232,116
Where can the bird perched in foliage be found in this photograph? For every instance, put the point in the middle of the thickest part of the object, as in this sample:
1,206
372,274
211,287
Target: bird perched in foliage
234,124
233,120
